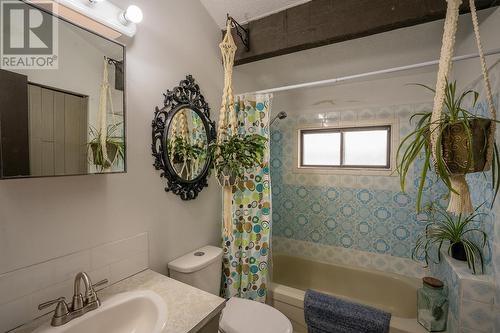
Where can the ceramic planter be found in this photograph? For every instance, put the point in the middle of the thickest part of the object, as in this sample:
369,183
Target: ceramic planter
458,252
112,154
456,148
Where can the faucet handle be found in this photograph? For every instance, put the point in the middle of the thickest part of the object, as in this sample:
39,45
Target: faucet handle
100,283
61,309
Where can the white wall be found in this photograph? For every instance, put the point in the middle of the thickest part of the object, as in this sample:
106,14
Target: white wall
489,25
46,218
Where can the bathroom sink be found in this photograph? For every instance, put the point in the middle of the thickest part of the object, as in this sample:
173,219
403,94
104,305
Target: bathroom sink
130,312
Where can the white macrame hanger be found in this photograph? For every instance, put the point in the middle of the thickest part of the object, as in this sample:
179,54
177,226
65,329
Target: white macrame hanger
460,202
103,112
228,124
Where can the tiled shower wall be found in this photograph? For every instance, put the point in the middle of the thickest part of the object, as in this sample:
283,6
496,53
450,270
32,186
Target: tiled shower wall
363,212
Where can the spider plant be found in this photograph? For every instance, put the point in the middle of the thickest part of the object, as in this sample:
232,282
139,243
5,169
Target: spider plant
115,146
236,153
444,229
417,143
181,150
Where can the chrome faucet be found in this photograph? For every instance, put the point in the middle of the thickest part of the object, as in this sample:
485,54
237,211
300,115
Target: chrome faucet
80,305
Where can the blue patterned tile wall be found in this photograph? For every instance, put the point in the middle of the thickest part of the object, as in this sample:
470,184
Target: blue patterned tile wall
368,213
363,216
369,220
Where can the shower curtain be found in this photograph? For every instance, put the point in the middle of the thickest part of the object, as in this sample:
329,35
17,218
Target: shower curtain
246,260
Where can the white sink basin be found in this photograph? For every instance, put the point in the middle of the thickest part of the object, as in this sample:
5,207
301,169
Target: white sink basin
131,312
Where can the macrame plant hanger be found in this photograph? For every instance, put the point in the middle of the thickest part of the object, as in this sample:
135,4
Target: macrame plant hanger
228,123
180,128
460,201
104,97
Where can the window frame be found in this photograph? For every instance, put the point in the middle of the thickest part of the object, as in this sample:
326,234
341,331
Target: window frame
342,130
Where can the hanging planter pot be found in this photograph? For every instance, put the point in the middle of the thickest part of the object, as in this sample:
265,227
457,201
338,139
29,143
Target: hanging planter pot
459,154
106,157
462,155
465,148
99,159
464,141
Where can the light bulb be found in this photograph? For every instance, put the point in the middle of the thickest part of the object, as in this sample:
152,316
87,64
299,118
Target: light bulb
132,14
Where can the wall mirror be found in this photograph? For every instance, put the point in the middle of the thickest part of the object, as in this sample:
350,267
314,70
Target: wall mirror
182,134
62,97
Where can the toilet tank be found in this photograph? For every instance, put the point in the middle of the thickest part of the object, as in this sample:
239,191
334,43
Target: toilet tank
201,269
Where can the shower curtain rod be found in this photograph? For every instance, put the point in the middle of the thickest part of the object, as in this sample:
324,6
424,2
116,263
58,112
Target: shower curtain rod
367,74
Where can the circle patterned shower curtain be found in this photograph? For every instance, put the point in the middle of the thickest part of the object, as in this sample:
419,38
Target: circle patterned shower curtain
246,204
246,259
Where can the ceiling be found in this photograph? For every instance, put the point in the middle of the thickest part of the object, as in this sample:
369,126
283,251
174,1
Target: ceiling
246,10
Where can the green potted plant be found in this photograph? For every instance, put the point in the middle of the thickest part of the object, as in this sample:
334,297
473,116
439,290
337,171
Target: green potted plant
236,153
185,157
444,229
461,146
115,147
181,150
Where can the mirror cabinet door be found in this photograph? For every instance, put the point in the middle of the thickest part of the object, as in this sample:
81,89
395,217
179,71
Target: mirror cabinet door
64,112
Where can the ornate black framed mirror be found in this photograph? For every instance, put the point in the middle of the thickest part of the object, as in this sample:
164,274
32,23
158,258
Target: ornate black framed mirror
182,134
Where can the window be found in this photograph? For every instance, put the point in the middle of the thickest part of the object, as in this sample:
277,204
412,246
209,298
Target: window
350,147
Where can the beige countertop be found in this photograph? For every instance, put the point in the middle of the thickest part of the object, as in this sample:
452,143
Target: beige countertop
189,308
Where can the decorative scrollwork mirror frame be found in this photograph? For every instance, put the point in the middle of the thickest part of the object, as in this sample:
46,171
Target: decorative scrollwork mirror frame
186,95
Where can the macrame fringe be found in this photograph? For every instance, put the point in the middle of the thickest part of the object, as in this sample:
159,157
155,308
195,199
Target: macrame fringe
460,202
228,209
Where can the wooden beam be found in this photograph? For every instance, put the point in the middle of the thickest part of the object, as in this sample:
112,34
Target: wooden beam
322,22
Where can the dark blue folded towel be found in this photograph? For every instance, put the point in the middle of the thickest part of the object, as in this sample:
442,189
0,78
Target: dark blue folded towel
328,314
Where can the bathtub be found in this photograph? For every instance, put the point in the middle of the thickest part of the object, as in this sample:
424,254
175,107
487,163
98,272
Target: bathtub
389,292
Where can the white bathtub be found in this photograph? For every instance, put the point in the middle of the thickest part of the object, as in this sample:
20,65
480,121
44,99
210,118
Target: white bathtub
389,292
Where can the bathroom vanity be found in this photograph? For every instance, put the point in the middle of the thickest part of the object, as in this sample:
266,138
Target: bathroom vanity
184,309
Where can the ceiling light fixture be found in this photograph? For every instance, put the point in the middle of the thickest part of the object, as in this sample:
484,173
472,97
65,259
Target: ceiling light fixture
108,14
132,14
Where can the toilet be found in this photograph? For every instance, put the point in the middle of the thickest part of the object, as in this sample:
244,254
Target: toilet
202,269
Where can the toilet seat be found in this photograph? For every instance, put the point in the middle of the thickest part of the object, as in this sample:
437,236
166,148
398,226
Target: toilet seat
246,316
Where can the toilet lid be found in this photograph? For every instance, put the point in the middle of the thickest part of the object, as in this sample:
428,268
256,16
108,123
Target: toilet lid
245,316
